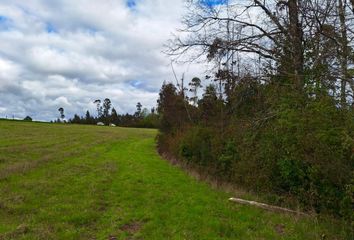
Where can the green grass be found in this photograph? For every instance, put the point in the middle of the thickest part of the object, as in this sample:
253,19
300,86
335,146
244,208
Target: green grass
88,182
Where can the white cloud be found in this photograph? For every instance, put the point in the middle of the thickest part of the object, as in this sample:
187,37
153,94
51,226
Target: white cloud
64,53
9,72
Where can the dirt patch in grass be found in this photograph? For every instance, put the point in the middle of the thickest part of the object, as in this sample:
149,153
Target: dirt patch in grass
110,167
280,229
132,227
20,230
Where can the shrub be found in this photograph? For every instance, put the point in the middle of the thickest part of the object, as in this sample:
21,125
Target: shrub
28,119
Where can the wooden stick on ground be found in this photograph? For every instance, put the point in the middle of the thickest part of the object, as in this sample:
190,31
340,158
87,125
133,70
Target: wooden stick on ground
266,206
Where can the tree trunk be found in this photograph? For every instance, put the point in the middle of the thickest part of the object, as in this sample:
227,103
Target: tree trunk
266,206
296,46
344,52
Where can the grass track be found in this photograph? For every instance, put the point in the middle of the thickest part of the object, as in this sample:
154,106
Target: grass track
88,182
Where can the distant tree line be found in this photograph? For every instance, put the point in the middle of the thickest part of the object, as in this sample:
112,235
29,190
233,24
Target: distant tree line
107,114
278,115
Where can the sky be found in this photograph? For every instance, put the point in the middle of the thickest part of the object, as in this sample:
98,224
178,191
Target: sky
65,53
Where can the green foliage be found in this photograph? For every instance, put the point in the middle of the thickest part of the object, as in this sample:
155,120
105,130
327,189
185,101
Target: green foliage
28,119
196,146
229,157
271,139
172,108
109,116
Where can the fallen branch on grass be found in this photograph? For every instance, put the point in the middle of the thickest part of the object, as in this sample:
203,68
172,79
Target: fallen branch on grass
266,206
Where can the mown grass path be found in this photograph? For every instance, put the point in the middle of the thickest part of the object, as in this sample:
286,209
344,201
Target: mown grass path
88,182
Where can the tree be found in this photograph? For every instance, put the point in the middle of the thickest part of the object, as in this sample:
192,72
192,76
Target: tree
303,45
88,118
98,107
195,84
171,108
352,2
61,112
296,48
138,109
115,117
28,118
343,53
153,110
223,34
76,119
106,107
209,104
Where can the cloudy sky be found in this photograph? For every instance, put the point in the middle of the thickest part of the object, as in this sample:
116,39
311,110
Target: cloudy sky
67,53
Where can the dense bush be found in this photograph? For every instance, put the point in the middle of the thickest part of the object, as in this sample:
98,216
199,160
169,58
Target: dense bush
289,145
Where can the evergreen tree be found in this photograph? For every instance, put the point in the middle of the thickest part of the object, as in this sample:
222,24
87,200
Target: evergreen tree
115,117
62,115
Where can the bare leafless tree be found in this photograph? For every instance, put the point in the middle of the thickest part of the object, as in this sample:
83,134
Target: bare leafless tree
293,38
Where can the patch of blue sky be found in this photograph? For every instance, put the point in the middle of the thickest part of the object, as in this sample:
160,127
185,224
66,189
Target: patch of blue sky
50,28
131,3
87,29
3,19
135,83
5,23
91,30
212,3
140,84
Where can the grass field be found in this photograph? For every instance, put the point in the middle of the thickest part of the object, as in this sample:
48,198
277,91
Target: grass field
88,182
